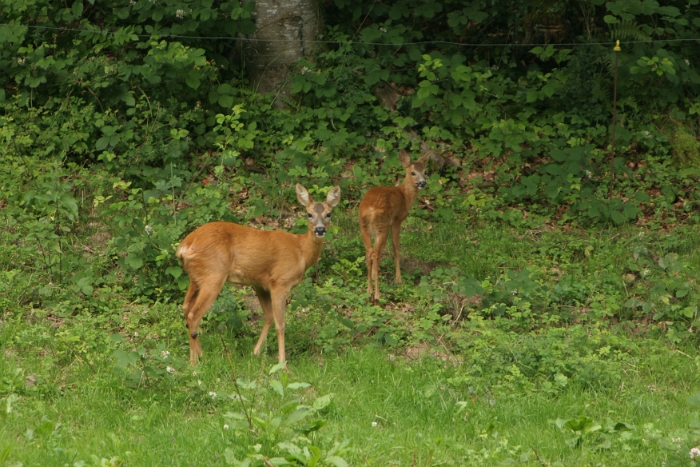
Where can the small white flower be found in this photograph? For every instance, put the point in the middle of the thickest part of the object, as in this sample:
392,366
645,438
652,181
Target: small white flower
164,354
694,453
514,292
212,394
170,370
647,134
305,70
20,61
136,334
687,62
132,2
194,373
225,427
677,440
180,13
382,29
374,424
589,174
148,229
646,272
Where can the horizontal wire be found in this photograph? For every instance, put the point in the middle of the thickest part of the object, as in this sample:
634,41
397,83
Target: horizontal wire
251,39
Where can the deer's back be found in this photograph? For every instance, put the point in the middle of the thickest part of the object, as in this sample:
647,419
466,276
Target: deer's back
241,254
383,205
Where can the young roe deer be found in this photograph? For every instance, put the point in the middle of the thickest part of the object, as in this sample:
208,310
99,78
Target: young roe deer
385,208
272,261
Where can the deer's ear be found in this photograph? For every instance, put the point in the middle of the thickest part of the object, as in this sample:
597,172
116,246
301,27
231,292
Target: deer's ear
424,160
303,195
404,158
333,196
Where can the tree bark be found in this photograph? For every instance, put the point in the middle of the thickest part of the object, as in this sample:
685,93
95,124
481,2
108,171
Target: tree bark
286,30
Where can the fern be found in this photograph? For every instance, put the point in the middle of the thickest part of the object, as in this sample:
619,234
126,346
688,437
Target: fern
628,29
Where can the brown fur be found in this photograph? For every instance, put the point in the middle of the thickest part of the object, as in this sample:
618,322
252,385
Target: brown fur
273,262
384,209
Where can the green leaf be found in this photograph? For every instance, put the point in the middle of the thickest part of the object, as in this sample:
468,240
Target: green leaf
77,9
277,387
278,461
118,338
298,385
175,271
299,414
277,367
337,461
323,401
226,101
348,323
225,89
193,80
134,260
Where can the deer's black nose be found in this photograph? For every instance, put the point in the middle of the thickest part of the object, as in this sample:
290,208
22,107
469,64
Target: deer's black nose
421,184
320,231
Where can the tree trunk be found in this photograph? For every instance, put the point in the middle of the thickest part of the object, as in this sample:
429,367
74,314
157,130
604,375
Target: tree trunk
286,30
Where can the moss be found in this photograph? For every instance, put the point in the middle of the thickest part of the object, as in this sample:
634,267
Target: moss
686,148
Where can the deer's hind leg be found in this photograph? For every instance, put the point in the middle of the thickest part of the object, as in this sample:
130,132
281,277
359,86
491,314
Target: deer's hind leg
367,240
199,303
266,304
395,236
377,251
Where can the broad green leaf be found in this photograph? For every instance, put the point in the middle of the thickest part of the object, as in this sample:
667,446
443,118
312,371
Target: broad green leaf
77,9
298,415
277,387
192,79
134,260
337,461
226,101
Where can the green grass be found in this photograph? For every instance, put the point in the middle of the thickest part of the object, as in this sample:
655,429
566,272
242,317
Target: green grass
393,411
485,390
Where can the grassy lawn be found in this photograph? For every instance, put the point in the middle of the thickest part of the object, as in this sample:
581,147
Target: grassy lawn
538,381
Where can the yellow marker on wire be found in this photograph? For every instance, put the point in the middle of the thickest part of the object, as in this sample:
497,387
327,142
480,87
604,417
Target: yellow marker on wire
617,46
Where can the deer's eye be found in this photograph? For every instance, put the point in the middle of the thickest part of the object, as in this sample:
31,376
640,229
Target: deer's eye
328,216
413,173
309,215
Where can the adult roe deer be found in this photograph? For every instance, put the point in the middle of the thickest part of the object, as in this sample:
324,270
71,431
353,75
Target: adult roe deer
384,208
272,261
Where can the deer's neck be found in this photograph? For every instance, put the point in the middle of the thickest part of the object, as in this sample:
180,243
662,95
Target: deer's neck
311,248
410,192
